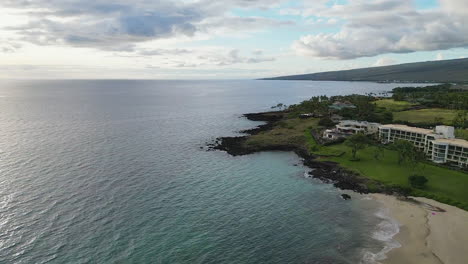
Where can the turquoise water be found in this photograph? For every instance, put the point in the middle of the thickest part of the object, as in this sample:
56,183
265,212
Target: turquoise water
115,172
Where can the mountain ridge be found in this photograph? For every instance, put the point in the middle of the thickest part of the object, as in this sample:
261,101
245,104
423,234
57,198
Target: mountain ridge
455,70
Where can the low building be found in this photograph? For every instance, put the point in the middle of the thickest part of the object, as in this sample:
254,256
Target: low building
347,128
353,127
439,144
333,134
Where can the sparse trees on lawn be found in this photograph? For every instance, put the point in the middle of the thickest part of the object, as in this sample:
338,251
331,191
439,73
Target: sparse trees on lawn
357,142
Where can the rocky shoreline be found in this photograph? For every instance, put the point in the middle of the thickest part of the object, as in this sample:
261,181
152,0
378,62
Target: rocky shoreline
327,171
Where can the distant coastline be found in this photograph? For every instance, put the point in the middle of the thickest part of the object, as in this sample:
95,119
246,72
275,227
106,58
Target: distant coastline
452,71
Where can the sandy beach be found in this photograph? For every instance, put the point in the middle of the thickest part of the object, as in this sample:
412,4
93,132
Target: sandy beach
427,235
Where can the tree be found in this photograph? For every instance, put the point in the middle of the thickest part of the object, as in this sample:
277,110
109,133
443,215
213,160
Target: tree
379,152
404,150
461,119
279,106
417,157
326,122
357,142
417,181
408,153
387,117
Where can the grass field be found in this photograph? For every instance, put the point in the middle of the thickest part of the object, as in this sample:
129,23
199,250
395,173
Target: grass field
443,183
394,106
287,132
426,115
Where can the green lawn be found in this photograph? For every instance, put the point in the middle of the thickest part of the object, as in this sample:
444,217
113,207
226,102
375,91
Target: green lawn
443,183
426,115
393,105
318,149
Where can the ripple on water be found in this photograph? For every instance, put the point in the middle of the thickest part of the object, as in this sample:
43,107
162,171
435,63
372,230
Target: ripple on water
111,171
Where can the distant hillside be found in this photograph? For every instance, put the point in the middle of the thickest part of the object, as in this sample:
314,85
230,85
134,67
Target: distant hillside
430,71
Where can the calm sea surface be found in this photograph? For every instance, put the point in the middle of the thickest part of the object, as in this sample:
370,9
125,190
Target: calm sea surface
113,172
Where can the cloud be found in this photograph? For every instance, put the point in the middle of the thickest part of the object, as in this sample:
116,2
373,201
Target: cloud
375,27
439,56
120,24
384,62
232,57
194,57
7,46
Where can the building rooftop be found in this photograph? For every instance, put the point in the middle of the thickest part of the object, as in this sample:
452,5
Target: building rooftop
341,105
354,122
453,141
409,129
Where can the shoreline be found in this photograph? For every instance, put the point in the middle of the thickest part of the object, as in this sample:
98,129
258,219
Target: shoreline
429,231
326,171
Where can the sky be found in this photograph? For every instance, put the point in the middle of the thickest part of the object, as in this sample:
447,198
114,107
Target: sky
222,39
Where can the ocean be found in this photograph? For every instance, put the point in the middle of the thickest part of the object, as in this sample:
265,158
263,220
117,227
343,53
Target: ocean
116,171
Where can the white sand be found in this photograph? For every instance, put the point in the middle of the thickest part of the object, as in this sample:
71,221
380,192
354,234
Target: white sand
427,236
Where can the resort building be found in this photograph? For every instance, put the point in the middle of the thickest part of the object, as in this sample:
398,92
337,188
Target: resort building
346,128
439,144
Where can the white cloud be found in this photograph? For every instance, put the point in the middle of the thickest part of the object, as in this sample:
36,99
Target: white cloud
439,56
195,57
7,46
385,61
120,24
377,27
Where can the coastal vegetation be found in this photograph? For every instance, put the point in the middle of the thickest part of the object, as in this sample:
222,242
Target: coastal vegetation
381,168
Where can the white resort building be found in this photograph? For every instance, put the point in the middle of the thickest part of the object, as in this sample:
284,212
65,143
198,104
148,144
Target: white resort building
346,128
440,144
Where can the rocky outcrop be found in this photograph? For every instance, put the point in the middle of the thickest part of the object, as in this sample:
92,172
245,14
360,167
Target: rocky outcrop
346,196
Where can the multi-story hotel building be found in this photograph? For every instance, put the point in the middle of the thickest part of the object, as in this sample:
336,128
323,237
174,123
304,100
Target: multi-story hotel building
440,144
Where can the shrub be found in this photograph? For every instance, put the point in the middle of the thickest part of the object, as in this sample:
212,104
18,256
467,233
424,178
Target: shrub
403,190
283,124
326,122
417,181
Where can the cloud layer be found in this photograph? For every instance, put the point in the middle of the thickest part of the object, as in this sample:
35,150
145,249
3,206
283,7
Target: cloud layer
374,27
208,35
119,24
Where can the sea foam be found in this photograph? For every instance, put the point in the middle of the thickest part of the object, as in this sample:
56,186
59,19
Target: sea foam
386,230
